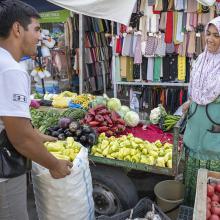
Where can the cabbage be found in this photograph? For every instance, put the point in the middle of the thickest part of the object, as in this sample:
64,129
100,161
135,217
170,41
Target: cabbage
123,110
99,100
114,104
132,118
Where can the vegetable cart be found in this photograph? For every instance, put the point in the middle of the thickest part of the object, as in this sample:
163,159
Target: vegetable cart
118,184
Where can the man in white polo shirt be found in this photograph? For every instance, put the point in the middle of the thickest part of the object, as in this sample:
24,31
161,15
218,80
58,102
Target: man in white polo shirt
19,34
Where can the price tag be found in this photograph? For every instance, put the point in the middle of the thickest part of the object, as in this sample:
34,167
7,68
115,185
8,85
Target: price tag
198,35
182,33
151,34
124,34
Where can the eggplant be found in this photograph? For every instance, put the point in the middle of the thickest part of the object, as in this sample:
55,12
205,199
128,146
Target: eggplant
64,122
68,133
83,139
78,132
86,129
55,128
55,133
60,130
73,126
91,139
61,137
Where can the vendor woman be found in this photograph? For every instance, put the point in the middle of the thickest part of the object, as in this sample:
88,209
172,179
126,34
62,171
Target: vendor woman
202,134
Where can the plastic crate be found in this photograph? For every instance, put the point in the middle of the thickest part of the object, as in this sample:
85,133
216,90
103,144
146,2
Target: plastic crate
139,211
185,213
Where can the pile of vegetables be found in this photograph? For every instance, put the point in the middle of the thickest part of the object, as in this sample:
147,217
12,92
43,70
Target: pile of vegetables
136,150
66,127
83,100
62,100
213,201
104,120
169,121
157,113
44,120
65,150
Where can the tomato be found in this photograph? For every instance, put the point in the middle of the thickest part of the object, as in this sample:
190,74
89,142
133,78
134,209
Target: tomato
215,210
208,214
213,217
210,190
217,188
208,200
208,206
214,203
215,198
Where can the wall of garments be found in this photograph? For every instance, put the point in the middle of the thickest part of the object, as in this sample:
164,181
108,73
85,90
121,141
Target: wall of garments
164,37
97,51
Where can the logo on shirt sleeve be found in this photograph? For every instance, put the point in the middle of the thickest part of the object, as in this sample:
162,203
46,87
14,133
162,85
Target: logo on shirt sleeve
19,98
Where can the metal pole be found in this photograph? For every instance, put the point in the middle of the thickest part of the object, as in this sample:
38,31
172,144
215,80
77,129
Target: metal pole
113,62
81,53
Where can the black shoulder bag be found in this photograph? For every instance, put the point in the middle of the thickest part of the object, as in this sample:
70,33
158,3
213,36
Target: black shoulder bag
12,163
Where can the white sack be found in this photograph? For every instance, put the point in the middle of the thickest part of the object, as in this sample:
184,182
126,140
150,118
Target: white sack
69,198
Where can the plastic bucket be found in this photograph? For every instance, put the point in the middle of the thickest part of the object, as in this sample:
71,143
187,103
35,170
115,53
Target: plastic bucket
169,195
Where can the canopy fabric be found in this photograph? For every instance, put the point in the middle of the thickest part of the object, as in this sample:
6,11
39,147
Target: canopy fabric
114,10
42,5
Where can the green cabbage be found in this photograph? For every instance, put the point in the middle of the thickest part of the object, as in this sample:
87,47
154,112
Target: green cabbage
114,104
132,118
123,110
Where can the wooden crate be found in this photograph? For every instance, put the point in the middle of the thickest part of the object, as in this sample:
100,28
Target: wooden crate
199,212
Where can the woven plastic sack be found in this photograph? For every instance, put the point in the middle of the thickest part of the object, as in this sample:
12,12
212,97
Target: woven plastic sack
68,198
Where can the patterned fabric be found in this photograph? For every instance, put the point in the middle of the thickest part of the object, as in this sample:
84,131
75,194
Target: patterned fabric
161,46
205,79
151,45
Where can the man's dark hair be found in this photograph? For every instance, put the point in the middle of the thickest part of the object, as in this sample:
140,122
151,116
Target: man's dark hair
12,11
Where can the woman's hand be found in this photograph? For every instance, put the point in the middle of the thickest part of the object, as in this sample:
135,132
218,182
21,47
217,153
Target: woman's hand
186,106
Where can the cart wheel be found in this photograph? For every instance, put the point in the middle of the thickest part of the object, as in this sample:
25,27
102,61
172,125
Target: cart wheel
113,191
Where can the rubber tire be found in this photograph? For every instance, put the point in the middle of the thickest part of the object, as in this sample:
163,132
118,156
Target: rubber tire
118,182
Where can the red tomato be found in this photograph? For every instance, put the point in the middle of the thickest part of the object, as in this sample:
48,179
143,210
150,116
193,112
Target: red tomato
215,198
215,210
208,214
208,206
208,200
213,217
214,203
217,188
210,190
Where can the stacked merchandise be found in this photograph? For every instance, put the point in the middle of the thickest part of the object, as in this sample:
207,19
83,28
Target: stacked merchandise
97,52
166,35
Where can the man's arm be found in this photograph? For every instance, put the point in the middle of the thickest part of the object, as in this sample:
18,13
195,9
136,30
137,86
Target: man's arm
28,142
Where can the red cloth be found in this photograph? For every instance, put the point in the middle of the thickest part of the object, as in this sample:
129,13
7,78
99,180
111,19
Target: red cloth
169,27
118,46
151,134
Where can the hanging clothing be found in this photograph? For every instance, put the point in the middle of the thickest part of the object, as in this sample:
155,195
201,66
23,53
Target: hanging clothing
150,69
161,45
181,68
169,27
157,69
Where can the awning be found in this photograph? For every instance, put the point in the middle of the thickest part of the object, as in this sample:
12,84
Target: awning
114,10
42,5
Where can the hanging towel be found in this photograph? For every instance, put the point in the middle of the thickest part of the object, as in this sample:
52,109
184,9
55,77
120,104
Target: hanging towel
170,5
163,18
157,69
151,44
126,45
158,5
191,5
169,27
178,5
161,45
137,53
191,43
179,33
181,68
150,69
